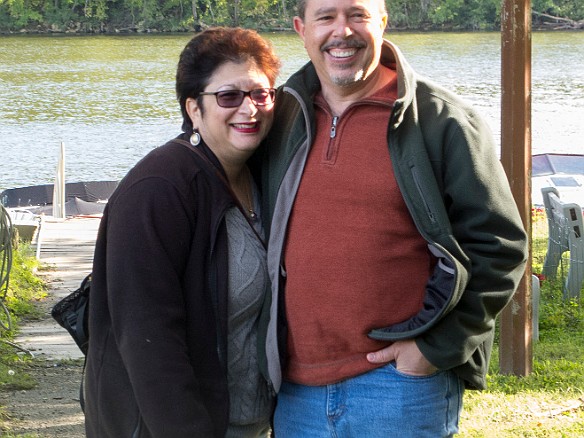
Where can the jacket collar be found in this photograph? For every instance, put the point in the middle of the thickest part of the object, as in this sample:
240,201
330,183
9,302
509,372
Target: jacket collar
207,152
392,57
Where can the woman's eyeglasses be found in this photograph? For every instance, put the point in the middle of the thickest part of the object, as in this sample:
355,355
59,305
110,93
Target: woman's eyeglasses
234,98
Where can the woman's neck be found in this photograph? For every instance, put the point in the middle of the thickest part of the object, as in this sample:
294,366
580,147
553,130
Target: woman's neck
238,177
241,183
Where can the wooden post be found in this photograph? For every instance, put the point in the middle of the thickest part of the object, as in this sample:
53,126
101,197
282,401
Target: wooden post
515,349
59,195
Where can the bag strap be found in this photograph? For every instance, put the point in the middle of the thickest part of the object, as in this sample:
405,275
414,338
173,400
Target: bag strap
221,177
82,386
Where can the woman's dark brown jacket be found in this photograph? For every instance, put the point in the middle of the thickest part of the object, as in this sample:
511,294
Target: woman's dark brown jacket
156,364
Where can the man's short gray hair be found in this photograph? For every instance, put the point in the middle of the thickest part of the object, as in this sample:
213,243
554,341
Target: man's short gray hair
301,8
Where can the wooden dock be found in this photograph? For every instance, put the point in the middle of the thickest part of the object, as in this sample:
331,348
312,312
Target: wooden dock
66,254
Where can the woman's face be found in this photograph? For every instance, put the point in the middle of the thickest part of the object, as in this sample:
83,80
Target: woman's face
233,133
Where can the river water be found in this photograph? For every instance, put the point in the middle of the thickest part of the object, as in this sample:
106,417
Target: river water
111,99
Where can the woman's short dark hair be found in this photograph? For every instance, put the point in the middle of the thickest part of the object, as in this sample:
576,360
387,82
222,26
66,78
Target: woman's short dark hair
210,49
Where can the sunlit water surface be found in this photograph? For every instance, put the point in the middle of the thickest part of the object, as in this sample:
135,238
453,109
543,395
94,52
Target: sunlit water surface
111,99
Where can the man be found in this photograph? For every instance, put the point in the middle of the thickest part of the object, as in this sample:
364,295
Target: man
394,242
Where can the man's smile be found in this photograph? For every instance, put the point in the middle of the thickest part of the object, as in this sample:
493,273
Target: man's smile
342,53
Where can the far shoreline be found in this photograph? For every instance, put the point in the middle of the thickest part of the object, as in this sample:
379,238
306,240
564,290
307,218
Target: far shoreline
144,32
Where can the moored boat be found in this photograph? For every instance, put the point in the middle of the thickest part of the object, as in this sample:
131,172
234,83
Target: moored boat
81,198
564,172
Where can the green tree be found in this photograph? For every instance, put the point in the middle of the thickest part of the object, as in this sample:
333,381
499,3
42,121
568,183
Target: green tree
173,15
446,12
96,9
24,12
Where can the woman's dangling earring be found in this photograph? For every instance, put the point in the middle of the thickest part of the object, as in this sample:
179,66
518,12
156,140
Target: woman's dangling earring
195,138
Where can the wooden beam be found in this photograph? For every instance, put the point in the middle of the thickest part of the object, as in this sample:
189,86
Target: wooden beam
515,346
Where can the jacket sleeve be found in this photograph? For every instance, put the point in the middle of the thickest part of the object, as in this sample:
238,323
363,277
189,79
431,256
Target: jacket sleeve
149,236
490,237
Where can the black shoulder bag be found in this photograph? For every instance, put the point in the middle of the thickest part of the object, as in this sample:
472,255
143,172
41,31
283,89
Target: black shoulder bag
72,314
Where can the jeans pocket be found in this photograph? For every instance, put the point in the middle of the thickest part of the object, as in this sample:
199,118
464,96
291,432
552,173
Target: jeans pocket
392,368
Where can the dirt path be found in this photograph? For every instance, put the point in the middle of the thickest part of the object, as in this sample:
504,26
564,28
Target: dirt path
52,409
49,410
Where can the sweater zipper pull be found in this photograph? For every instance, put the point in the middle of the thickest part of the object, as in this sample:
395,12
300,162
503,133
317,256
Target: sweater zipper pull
334,126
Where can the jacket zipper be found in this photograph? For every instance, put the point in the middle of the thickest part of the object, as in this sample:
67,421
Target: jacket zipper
334,126
333,133
335,123
429,211
212,281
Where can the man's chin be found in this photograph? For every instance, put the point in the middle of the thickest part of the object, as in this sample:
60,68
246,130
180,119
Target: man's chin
347,79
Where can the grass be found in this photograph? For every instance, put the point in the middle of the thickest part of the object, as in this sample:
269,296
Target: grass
25,289
547,403
13,375
550,401
26,435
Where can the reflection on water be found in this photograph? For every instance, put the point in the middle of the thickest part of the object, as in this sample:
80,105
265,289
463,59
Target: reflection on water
111,99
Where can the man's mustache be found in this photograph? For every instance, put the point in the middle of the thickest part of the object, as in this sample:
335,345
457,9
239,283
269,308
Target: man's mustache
343,44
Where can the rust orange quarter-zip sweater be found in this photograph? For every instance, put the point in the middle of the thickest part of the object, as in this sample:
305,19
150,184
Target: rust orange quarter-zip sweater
354,258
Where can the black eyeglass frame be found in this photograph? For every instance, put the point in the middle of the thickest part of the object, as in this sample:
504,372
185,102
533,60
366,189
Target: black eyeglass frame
271,94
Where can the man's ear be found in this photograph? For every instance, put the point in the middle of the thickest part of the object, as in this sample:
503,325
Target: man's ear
384,19
299,26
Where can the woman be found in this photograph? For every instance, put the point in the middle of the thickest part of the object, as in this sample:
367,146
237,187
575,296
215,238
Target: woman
179,278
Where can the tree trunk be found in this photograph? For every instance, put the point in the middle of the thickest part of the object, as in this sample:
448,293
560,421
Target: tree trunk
196,21
194,8
559,22
235,16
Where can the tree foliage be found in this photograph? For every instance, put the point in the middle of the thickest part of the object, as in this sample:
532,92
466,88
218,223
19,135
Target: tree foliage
182,15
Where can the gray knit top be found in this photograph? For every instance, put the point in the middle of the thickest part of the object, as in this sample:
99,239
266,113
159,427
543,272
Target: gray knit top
250,399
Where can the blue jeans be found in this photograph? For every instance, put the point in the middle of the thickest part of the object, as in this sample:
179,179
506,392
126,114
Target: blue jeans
382,403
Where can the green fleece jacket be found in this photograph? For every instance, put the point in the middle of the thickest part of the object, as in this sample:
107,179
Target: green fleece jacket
445,163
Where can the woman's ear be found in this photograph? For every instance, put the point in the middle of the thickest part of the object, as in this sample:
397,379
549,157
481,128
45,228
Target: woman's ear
194,111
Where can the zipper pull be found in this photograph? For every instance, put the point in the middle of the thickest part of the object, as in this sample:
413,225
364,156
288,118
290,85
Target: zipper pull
334,126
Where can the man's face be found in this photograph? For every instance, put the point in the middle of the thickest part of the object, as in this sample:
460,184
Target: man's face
343,39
